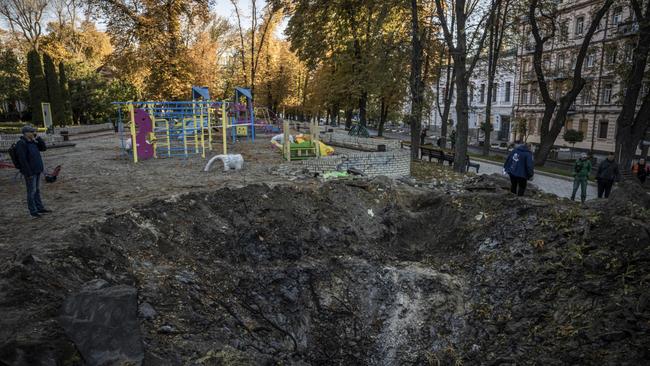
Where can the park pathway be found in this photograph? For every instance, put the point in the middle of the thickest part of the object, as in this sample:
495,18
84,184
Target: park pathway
561,187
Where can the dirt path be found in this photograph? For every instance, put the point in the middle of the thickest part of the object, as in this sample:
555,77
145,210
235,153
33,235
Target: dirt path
96,180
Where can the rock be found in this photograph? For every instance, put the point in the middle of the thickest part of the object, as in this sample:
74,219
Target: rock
146,311
166,329
102,323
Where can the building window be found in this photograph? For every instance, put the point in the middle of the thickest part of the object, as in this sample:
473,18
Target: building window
482,99
524,96
533,96
568,124
531,126
616,15
582,127
507,95
560,62
471,93
602,129
629,52
580,25
607,94
591,59
495,89
564,31
611,55
585,94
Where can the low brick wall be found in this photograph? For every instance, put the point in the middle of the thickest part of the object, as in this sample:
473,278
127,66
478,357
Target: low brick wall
395,163
8,139
364,143
74,130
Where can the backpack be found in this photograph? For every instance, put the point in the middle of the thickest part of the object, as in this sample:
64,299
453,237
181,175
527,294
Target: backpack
14,156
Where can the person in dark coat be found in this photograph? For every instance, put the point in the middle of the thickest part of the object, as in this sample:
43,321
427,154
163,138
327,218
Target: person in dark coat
608,173
641,170
28,153
423,135
519,166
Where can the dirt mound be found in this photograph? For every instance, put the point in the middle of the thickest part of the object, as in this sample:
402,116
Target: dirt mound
357,272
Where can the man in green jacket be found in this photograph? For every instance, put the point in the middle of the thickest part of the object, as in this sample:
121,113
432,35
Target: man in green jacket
581,171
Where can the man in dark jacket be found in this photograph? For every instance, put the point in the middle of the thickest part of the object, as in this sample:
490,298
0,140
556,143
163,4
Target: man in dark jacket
28,153
608,173
520,168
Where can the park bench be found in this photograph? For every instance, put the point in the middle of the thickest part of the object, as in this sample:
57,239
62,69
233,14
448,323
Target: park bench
441,155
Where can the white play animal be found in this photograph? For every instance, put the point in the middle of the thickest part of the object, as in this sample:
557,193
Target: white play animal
230,161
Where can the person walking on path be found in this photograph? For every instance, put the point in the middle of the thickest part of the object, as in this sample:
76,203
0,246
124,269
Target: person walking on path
608,173
641,170
519,166
581,171
28,155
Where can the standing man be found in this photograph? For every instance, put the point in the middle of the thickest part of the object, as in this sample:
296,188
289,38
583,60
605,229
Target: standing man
423,135
641,170
28,154
581,171
608,173
519,166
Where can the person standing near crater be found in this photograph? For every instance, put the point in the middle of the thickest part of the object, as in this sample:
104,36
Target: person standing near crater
520,167
28,154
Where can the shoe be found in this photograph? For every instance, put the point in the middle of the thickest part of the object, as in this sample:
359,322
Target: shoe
35,216
44,211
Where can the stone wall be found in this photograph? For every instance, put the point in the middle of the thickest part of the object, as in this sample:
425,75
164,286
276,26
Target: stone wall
396,163
7,139
338,138
74,130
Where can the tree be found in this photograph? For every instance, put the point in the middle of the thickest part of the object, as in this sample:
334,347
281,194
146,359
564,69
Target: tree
633,122
13,85
471,21
573,137
417,85
497,30
53,90
25,16
447,96
65,96
554,114
37,86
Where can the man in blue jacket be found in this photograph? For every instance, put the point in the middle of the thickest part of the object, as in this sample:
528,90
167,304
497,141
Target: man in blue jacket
520,168
28,153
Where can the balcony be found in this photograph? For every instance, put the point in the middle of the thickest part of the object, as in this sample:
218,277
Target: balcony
628,28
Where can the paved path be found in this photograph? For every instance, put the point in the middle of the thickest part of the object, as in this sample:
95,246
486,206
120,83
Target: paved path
558,186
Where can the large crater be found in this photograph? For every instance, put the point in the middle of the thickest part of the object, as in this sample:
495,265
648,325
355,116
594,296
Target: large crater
357,273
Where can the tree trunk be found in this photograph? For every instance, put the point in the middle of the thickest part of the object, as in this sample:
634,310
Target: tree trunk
383,112
348,118
450,83
631,129
363,102
416,82
462,116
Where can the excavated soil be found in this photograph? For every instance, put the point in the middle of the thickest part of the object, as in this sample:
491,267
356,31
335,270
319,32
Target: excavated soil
355,272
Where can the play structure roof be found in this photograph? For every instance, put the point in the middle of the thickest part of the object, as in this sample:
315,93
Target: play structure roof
200,91
245,92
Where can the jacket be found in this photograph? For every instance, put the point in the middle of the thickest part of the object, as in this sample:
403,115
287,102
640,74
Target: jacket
638,169
29,156
608,171
520,162
582,169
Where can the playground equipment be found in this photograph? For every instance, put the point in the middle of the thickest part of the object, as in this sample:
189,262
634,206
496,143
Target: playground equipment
302,146
230,161
185,128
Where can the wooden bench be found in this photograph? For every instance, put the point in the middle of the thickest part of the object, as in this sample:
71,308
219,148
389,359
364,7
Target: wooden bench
441,155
